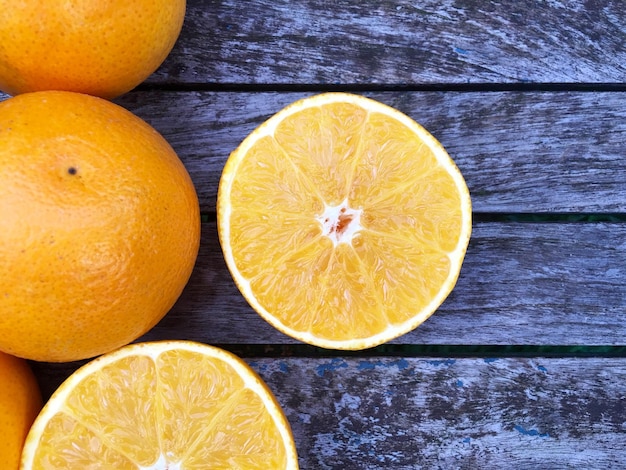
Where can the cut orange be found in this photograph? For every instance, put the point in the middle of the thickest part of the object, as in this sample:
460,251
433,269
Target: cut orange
175,405
344,223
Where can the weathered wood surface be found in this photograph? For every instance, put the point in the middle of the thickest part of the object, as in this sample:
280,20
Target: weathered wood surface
519,152
521,283
399,42
445,413
466,70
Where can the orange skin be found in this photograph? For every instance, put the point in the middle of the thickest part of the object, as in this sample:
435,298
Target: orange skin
99,47
99,226
20,401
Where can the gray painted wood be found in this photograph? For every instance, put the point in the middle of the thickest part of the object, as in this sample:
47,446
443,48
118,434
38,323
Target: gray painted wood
454,413
446,413
519,151
399,42
521,283
389,413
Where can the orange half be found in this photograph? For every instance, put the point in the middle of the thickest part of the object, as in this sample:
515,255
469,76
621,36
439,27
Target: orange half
343,222
170,405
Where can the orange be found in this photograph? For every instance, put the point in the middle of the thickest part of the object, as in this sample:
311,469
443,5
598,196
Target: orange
100,47
99,226
20,401
343,222
162,405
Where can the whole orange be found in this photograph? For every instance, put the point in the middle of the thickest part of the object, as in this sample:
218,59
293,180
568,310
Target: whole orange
20,401
99,226
100,47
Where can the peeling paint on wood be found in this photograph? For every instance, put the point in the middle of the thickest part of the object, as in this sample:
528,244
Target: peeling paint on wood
508,413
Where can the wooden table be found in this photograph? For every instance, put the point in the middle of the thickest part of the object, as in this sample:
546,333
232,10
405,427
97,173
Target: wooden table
524,365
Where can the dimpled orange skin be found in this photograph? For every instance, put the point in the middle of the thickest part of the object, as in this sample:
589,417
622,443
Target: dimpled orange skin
99,226
20,401
99,47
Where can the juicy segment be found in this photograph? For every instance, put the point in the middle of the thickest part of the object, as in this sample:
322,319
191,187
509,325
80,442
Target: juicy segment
200,415
395,264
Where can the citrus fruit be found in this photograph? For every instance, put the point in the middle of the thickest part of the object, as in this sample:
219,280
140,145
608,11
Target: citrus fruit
176,405
20,401
99,226
343,222
100,47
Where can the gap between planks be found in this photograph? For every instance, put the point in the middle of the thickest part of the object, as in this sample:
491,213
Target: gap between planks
380,87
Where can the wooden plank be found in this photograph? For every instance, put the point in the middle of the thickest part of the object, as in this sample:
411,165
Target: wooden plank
401,413
533,284
398,42
519,152
498,139
453,413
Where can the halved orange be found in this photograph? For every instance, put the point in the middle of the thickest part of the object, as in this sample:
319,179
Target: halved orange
175,405
343,222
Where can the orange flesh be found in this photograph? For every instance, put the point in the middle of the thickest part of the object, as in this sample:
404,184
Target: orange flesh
179,410
298,263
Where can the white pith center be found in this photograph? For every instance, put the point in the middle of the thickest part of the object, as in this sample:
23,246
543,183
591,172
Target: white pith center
340,223
162,464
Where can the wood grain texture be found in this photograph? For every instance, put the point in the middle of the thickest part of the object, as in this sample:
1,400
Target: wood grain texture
453,413
533,284
442,413
521,283
398,42
519,151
